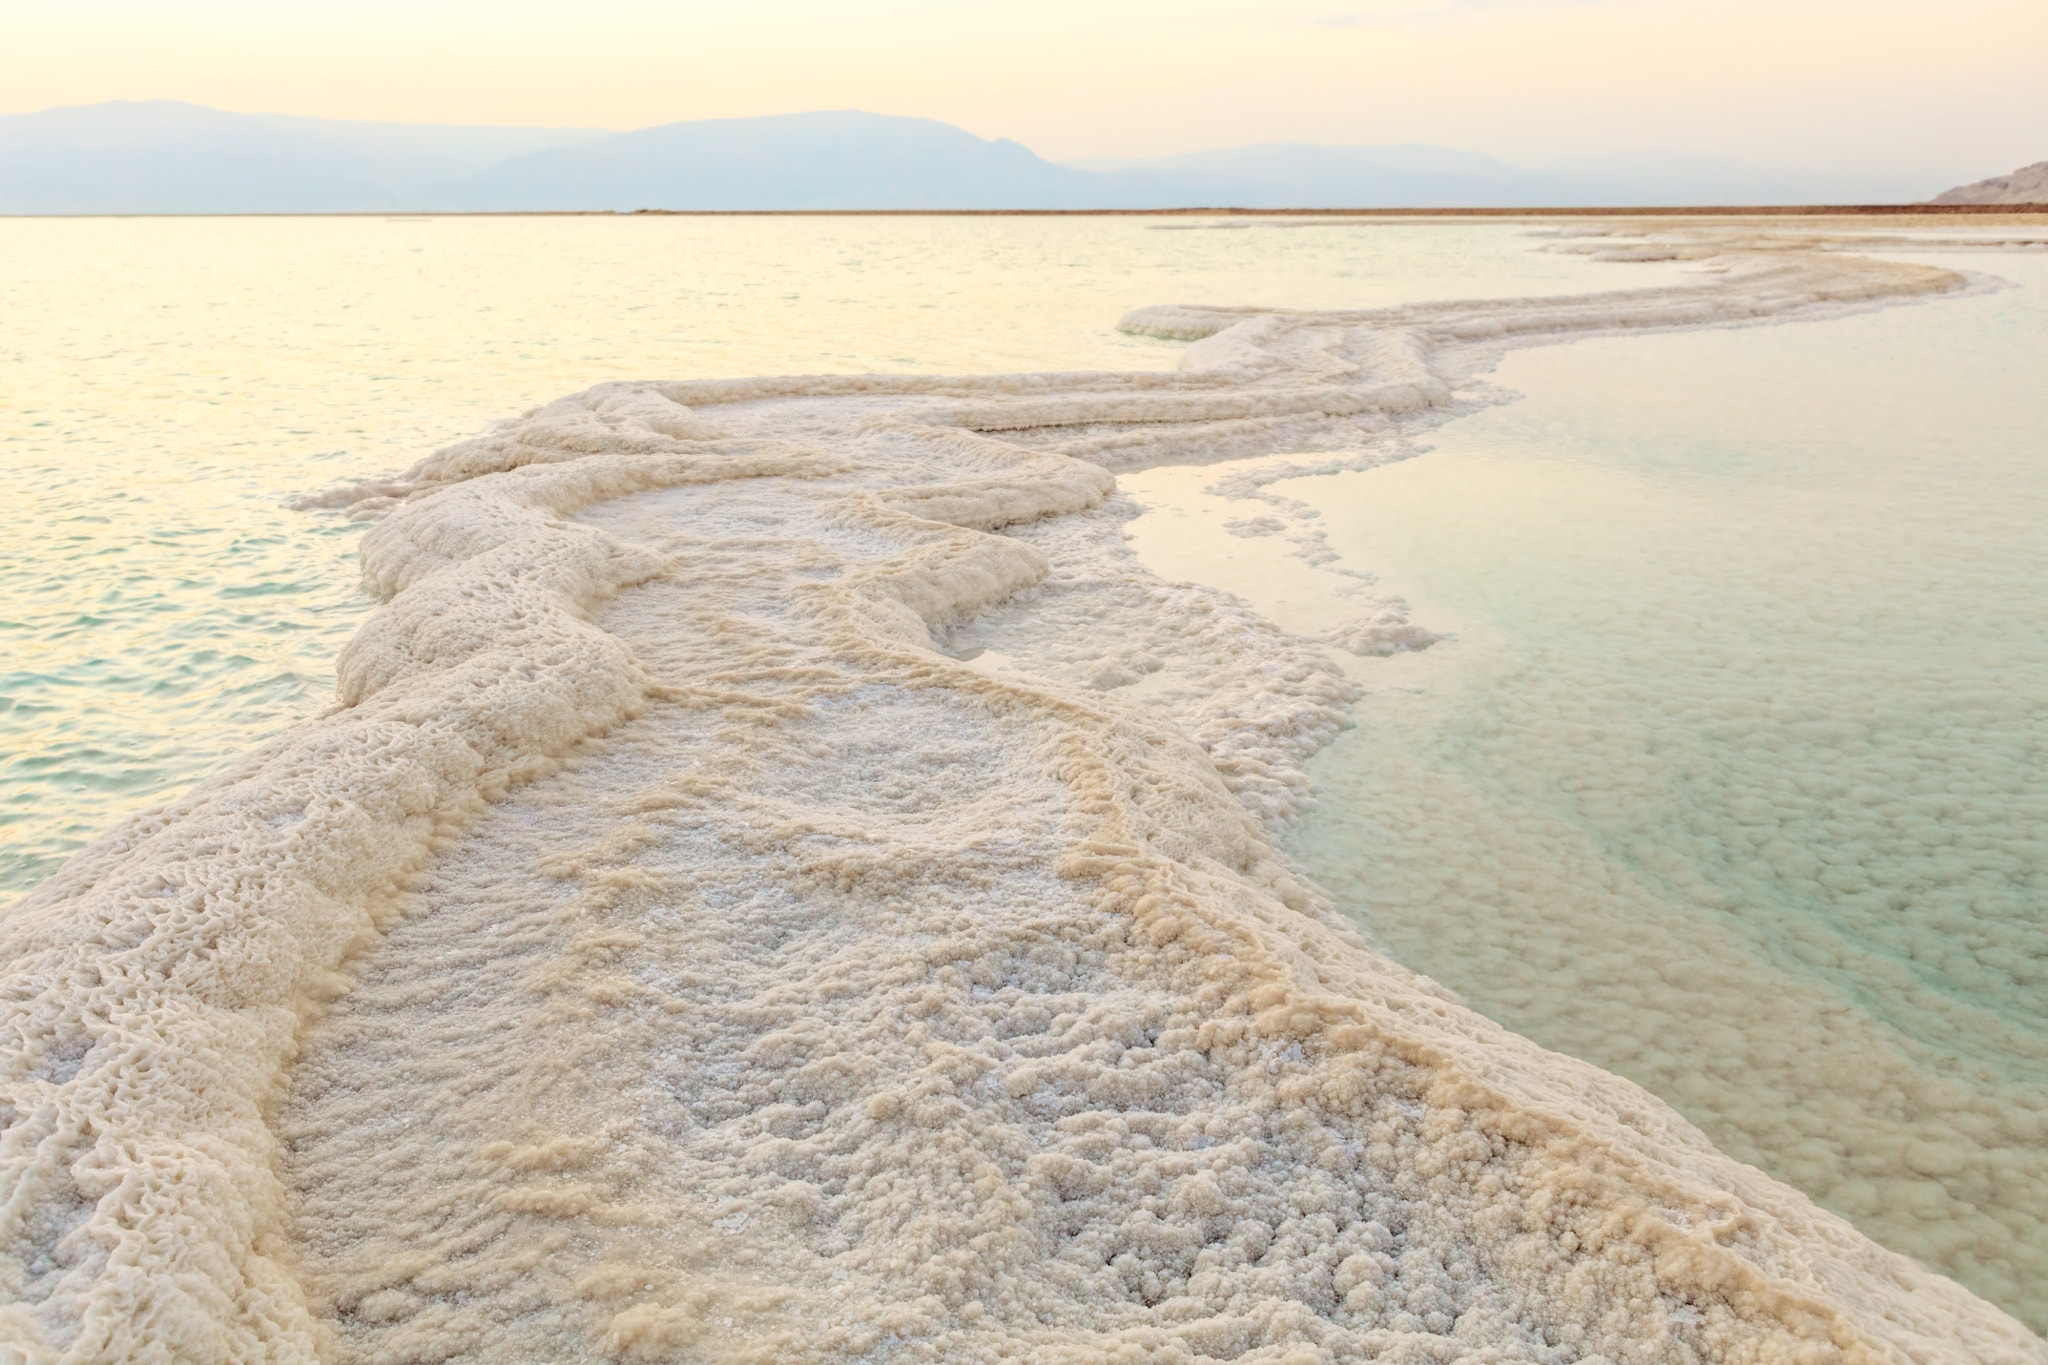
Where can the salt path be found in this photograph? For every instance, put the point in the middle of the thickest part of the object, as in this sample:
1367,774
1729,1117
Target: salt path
664,950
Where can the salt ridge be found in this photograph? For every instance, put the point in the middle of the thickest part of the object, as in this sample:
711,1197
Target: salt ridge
662,950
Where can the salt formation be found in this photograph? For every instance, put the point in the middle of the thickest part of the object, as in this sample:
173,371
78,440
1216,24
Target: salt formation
683,940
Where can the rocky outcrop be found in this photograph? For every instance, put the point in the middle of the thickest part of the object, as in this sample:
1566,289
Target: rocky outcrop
2027,185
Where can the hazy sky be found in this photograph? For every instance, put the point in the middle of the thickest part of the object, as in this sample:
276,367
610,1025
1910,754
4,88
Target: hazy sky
1942,86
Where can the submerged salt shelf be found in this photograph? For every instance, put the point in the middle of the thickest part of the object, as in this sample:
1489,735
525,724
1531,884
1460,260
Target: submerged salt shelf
734,915
1731,779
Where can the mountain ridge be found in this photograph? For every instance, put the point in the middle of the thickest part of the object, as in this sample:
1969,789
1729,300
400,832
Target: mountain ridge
163,156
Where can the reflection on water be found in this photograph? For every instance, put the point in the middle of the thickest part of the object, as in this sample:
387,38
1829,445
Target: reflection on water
171,382
1736,779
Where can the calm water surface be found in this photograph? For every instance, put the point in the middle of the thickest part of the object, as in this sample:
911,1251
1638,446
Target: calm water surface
1735,780
1731,782
171,383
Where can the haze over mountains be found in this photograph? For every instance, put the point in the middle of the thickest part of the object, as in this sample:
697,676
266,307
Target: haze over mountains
162,156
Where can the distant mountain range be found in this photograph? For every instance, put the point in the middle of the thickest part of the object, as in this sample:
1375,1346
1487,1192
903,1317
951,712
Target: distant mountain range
161,156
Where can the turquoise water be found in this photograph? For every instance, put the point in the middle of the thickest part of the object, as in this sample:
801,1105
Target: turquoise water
173,383
1735,780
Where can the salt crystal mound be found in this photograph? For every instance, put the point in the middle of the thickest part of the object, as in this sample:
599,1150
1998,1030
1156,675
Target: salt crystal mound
662,951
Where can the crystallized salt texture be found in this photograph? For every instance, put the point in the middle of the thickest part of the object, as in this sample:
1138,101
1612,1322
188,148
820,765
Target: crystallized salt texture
781,883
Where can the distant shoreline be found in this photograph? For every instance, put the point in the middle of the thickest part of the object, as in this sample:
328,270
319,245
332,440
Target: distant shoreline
1653,211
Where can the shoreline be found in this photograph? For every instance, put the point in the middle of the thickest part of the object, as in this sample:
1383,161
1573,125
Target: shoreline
577,580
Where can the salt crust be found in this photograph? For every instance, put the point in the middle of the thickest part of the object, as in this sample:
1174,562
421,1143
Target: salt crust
822,993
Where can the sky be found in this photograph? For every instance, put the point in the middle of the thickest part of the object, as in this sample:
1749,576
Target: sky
1954,89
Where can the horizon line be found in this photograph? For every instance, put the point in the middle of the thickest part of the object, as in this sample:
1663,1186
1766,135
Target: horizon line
1923,209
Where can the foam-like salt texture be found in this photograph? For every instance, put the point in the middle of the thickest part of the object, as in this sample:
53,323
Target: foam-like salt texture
781,883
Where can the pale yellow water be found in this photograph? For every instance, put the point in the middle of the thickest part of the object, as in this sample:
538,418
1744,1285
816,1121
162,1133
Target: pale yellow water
171,383
873,1001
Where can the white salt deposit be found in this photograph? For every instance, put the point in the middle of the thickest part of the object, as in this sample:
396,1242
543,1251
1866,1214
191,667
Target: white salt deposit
782,883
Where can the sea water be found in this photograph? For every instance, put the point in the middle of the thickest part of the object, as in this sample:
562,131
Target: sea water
1734,777
173,383
764,941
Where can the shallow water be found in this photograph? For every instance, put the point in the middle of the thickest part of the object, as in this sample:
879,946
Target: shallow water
1080,1065
1733,778
173,382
